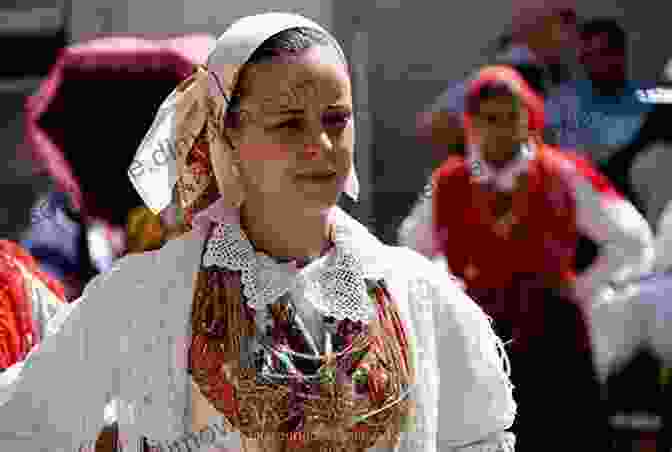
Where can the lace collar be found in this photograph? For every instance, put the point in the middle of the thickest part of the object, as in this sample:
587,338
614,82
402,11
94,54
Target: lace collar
334,283
504,179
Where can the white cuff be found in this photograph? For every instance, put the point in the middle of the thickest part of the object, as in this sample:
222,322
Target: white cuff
500,442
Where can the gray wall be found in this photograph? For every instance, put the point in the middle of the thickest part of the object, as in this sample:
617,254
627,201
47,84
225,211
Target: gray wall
31,17
91,17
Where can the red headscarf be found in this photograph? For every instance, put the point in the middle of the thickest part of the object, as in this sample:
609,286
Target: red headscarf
13,287
509,77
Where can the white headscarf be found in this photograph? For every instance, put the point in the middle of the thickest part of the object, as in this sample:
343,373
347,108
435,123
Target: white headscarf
195,111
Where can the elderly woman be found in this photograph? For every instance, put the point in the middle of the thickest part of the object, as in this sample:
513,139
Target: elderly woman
276,321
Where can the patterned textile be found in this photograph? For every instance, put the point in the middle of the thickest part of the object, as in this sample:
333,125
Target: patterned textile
280,392
18,331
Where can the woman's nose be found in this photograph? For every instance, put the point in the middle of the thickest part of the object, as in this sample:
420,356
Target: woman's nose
318,144
311,151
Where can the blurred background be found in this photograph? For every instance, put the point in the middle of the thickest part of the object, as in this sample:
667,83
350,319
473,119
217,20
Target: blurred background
401,52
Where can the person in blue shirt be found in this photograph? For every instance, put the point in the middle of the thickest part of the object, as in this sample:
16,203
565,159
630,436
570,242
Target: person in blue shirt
600,113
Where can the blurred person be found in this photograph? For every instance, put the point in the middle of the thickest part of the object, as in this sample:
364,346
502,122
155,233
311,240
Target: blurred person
18,178
507,217
543,39
29,298
275,321
632,336
83,230
664,240
542,48
600,113
664,265
635,331
415,230
31,301
643,166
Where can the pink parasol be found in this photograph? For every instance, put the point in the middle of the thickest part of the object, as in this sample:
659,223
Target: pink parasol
112,87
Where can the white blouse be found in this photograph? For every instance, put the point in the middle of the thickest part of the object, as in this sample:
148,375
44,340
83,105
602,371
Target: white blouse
649,176
126,339
664,240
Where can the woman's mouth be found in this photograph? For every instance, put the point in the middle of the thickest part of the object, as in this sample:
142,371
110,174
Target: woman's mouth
318,177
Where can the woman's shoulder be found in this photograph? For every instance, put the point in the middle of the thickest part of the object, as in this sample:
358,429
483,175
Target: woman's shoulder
171,266
435,299
426,277
172,257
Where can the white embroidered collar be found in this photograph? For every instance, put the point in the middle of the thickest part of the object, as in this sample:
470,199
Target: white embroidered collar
334,283
504,179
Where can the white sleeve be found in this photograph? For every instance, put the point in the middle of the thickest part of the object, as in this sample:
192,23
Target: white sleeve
417,230
54,400
664,240
476,404
45,304
416,313
624,236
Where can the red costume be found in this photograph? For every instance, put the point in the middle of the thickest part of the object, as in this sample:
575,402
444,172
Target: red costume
535,236
511,235
18,334
541,240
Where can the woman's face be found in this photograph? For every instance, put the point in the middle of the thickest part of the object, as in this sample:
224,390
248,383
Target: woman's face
500,126
295,138
557,35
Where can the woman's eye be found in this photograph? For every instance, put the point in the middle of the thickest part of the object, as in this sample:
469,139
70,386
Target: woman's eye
290,124
336,119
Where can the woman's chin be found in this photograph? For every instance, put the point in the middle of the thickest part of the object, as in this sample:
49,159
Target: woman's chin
319,195
320,205
319,201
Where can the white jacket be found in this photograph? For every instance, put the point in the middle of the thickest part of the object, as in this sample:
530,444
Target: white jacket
126,339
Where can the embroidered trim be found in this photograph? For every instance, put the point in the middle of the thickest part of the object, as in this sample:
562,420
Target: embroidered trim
333,284
187,442
505,442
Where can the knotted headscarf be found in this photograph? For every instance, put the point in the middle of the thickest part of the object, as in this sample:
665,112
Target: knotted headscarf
527,98
188,127
510,78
